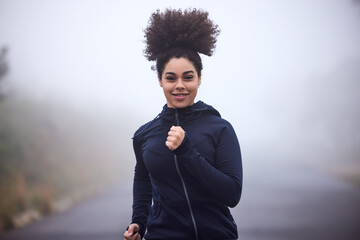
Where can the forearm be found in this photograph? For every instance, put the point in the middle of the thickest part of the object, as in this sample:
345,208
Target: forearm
142,191
142,197
224,181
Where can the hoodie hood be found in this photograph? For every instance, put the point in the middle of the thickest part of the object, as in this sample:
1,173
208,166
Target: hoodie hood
187,114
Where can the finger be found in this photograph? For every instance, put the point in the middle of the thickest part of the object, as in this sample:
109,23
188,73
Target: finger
133,228
171,138
174,128
132,237
175,133
180,129
126,236
170,145
136,236
174,138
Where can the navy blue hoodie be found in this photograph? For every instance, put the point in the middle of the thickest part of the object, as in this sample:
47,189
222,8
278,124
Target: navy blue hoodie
185,193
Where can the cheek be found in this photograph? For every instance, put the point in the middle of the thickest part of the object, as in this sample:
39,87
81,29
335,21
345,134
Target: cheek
194,88
166,88
167,91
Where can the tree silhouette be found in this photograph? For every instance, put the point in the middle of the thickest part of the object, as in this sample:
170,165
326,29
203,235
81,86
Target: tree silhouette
3,70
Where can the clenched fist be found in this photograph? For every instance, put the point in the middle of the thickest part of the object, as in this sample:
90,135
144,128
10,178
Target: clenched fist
132,233
175,137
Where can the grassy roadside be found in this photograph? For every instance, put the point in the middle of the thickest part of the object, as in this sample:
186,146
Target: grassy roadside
354,179
52,157
348,171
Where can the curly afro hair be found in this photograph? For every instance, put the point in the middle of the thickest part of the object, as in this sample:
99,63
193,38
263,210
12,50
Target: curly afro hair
177,33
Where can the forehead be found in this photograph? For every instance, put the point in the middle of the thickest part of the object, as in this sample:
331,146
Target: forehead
179,65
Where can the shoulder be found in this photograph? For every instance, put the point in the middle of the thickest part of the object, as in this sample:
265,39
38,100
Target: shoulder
145,128
215,120
218,126
211,116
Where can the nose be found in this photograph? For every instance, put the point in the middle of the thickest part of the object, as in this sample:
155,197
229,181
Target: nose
179,84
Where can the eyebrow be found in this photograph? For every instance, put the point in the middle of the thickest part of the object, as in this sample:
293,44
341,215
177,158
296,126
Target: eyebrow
186,72
190,71
171,73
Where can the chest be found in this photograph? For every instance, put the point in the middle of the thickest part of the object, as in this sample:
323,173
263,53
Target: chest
159,160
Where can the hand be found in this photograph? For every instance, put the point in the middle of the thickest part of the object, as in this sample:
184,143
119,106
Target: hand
175,137
132,233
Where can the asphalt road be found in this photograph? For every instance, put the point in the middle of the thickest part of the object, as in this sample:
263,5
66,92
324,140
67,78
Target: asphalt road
280,201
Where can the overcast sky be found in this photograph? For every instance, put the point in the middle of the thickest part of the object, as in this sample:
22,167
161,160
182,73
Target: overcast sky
269,57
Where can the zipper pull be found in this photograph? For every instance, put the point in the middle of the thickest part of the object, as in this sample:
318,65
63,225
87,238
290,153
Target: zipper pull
176,117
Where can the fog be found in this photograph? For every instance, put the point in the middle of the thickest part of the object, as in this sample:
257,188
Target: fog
277,67
285,74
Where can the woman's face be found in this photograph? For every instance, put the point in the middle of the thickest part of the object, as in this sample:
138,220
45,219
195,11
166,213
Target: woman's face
180,82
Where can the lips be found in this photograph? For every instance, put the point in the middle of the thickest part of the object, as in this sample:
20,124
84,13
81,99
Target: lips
180,96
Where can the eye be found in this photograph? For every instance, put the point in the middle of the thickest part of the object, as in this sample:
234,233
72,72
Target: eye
170,78
188,77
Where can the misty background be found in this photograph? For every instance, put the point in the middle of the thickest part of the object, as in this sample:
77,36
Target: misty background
285,74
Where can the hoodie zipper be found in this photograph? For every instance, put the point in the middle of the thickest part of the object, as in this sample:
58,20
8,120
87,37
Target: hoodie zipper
183,183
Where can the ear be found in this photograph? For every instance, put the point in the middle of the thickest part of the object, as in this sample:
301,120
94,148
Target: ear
160,82
199,82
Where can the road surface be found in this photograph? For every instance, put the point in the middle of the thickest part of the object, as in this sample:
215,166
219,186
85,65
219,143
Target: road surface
280,201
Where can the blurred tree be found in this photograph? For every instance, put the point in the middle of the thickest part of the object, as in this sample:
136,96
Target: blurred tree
356,3
3,70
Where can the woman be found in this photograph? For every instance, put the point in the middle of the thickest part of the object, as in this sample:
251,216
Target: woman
188,163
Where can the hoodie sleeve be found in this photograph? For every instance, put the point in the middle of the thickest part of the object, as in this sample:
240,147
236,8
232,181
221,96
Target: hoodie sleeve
224,179
142,191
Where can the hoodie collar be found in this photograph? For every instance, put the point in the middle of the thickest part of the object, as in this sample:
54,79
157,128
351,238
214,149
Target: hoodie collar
187,114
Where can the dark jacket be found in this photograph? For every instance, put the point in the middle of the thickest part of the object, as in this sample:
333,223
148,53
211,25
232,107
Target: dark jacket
192,186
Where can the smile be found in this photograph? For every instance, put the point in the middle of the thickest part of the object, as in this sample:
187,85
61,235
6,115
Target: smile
180,96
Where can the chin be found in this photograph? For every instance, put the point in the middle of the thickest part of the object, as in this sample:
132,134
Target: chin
181,105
